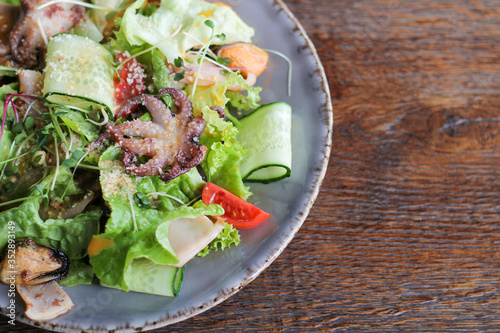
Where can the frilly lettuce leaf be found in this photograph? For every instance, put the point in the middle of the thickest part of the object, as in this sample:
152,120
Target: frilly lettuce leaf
227,237
189,15
222,162
144,234
245,102
218,95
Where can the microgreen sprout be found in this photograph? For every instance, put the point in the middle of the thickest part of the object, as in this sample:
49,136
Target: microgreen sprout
289,68
56,173
73,162
75,157
44,194
104,121
57,127
29,123
79,3
7,203
9,101
179,76
13,158
204,50
178,62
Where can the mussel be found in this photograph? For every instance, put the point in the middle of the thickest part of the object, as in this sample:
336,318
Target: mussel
33,264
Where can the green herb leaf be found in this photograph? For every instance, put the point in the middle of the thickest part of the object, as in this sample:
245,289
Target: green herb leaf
17,128
29,123
20,137
223,61
68,163
77,154
209,23
75,157
178,62
179,76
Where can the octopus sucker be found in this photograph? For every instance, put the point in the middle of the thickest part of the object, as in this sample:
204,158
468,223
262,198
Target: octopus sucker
27,39
171,140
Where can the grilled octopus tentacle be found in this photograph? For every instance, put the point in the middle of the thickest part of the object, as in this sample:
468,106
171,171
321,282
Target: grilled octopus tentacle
170,140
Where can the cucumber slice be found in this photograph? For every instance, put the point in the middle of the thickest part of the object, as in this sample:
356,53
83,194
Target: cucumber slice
266,136
144,276
78,73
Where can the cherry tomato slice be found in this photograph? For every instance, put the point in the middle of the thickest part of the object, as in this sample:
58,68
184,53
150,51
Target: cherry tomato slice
131,81
238,212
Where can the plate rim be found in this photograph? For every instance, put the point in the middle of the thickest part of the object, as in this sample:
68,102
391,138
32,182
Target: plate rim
318,175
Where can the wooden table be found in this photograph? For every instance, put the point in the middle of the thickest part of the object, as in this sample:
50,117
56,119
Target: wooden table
404,236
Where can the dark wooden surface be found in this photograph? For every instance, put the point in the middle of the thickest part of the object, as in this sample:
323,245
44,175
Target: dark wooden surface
405,234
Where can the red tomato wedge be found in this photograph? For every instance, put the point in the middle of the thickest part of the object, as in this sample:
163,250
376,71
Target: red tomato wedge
238,212
131,81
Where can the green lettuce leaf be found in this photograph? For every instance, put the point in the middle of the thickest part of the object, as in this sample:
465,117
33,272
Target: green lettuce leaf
222,165
141,231
8,71
189,15
245,102
222,162
79,273
72,236
227,237
154,65
5,145
77,122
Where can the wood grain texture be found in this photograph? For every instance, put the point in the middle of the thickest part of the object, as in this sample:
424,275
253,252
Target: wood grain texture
404,236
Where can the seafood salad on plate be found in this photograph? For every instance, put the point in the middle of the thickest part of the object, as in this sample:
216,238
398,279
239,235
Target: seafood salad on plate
130,131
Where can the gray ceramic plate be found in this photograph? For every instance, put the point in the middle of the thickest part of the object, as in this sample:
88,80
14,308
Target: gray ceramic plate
101,309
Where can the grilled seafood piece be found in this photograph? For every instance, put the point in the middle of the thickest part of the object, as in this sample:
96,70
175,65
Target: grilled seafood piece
29,37
33,264
171,139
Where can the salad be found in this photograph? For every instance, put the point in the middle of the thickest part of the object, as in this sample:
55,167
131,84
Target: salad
130,131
